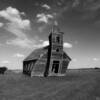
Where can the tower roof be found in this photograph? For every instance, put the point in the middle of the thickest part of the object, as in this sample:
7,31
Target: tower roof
55,28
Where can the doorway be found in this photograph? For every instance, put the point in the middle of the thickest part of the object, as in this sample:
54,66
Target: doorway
55,66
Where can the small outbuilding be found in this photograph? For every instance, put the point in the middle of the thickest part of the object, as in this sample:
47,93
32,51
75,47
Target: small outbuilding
49,60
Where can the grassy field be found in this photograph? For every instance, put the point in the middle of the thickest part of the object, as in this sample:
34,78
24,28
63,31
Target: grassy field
76,85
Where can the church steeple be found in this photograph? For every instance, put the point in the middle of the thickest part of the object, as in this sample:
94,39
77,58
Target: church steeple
55,28
56,36
55,51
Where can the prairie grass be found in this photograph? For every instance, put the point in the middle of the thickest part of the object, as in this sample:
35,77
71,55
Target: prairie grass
76,85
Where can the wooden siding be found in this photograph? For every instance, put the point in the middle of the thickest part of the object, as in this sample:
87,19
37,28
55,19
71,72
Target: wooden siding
37,67
64,66
28,66
40,65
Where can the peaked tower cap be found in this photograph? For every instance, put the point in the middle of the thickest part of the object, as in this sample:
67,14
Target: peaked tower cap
55,28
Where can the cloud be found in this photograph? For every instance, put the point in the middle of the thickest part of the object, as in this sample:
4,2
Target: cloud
18,55
1,44
26,43
16,25
96,59
1,24
41,28
48,19
11,27
5,62
67,45
75,3
74,60
44,18
39,45
23,43
45,43
14,16
46,6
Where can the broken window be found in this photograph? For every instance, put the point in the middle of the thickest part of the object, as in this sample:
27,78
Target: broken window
55,66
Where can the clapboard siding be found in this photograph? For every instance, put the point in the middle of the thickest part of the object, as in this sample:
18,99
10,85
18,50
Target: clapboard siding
42,60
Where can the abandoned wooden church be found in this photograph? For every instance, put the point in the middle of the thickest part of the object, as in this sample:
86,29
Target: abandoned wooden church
49,60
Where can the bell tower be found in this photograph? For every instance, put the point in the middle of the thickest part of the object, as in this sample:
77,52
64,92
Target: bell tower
55,52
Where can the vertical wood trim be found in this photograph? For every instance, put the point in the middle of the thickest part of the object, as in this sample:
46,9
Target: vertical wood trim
27,67
31,66
23,66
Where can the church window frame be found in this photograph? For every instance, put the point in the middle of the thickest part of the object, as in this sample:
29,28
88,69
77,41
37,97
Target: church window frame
57,50
58,39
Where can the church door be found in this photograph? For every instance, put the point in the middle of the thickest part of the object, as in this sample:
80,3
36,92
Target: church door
55,66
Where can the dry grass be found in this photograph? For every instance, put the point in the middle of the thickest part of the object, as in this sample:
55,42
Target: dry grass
76,85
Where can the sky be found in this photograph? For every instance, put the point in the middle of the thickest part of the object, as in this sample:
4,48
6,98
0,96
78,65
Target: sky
25,25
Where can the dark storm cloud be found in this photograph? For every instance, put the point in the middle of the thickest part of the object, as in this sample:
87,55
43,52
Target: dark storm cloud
83,10
88,10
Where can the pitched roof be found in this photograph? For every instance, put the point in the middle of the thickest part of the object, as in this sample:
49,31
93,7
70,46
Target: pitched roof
37,53
66,56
